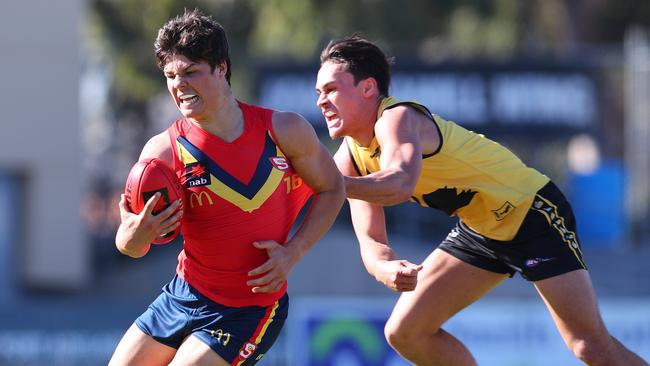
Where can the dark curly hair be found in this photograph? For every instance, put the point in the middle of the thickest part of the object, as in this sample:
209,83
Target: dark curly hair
195,36
362,58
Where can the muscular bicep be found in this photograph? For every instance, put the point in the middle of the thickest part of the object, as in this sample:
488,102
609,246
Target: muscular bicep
398,136
308,156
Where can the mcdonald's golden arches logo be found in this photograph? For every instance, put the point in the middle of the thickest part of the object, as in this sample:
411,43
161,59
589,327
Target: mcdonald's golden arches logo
199,197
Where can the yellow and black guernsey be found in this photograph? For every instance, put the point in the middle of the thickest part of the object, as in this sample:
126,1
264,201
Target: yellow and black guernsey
470,176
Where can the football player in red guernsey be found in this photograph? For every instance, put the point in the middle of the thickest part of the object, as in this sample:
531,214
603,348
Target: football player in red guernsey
247,172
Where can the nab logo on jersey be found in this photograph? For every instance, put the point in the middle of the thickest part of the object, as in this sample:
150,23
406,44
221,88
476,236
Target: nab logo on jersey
280,162
196,175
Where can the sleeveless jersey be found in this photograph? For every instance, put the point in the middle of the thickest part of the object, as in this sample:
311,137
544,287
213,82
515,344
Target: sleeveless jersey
470,176
236,193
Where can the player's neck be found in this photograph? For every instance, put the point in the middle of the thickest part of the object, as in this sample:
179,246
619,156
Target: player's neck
227,122
365,132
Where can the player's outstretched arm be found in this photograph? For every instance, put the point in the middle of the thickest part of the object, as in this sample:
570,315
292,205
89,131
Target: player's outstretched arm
378,257
370,227
313,163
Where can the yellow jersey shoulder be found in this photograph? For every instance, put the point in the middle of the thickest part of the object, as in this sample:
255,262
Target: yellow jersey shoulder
470,176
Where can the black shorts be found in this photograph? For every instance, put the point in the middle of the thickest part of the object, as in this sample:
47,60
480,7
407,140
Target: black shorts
545,246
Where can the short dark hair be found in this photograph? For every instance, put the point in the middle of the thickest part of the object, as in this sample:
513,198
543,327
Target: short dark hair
195,36
363,59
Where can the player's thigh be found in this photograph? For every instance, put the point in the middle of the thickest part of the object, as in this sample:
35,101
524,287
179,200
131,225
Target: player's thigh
196,353
137,348
571,300
445,286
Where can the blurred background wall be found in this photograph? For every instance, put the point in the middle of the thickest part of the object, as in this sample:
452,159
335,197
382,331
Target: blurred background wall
564,84
41,245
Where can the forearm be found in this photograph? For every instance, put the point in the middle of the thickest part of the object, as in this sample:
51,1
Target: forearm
324,208
372,253
129,245
382,188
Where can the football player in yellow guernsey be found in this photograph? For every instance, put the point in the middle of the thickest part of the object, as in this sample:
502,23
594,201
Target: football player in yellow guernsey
511,217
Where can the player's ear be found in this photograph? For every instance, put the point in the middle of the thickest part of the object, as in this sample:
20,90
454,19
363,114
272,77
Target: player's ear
222,68
369,87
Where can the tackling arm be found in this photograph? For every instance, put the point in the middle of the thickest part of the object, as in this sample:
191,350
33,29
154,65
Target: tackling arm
370,228
397,133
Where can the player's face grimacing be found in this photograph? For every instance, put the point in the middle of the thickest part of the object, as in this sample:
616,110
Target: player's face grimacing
338,98
192,84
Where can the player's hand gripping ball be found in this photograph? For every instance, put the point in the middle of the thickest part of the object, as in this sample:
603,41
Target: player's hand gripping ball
146,178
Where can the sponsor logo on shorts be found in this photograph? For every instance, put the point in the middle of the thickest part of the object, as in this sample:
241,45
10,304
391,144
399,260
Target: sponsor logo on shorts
557,222
247,350
454,233
220,335
530,263
550,212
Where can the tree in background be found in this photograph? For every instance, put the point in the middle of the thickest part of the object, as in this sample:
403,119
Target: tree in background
263,30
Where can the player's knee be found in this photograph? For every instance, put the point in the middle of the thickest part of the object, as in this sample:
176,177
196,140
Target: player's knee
400,335
396,338
395,333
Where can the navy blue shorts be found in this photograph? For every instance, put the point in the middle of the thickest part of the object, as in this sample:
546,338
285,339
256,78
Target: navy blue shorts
240,336
545,246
